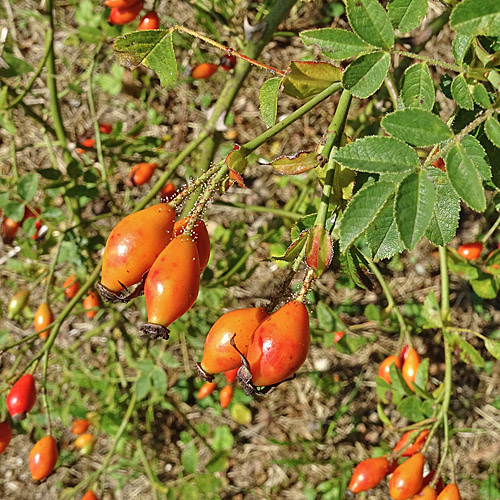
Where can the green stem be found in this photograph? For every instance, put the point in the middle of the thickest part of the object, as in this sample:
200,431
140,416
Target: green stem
278,11
203,164
44,392
448,386
28,339
49,38
55,110
308,279
170,169
391,88
63,315
492,229
104,467
264,210
427,60
390,301
335,130
445,287
275,129
15,171
469,128
53,266
205,197
155,485
97,132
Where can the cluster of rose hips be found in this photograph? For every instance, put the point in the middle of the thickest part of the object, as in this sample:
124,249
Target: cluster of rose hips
86,142
20,400
85,440
226,393
44,316
125,11
408,362
266,349
164,259
43,456
407,480
149,248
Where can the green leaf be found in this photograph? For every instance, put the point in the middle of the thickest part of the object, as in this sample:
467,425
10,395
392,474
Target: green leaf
468,353
296,164
384,389
27,186
152,49
91,34
418,88
16,66
362,211
364,76
493,347
236,160
486,286
382,155
308,78
223,438
189,458
370,21
464,177
7,124
478,155
398,382
461,93
111,81
431,313
382,416
476,17
325,318
303,224
142,386
269,100
295,248
417,127
319,250
414,206
444,222
406,15
219,461
492,129
460,46
14,211
159,379
353,264
481,96
422,374
410,408
382,236
241,414
335,43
